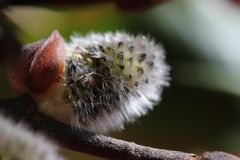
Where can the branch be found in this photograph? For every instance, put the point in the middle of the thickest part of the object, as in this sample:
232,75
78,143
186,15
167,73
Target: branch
23,109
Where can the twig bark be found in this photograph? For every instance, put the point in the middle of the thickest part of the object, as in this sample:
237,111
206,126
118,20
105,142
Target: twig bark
23,109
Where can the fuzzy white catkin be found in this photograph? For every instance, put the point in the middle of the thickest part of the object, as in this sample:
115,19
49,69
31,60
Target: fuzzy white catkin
109,79
16,142
139,99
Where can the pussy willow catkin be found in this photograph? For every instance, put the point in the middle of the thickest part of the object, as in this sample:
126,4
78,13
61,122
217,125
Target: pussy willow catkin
107,79
18,143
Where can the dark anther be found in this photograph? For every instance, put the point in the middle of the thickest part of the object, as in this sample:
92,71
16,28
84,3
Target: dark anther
101,48
146,80
130,77
150,64
131,48
142,57
130,60
120,56
140,70
121,66
136,83
120,44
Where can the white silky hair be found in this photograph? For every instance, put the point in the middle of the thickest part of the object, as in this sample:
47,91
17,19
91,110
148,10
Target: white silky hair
17,142
144,96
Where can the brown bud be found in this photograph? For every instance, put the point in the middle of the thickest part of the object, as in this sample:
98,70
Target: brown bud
39,66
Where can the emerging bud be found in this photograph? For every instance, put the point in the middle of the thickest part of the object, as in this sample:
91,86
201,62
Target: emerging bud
108,79
39,66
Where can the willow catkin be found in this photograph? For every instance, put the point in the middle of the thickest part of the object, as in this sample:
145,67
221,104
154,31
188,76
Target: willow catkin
17,142
113,78
97,82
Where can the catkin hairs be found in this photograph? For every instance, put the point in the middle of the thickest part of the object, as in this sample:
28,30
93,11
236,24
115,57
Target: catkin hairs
108,79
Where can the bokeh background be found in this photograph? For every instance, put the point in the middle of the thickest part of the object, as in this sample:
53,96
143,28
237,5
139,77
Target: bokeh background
200,111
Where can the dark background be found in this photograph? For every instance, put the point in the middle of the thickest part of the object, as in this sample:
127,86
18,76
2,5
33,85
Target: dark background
201,109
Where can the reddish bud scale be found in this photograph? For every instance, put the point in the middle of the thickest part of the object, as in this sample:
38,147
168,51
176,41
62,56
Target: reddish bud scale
39,66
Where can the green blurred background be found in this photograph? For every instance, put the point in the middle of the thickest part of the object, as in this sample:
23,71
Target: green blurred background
201,109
